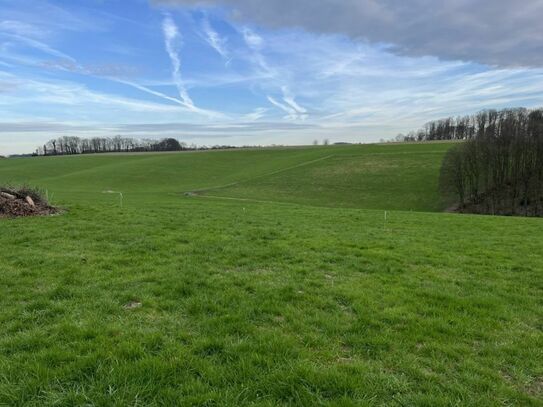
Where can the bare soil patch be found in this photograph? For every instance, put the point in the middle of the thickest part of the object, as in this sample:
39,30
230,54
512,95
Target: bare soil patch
132,305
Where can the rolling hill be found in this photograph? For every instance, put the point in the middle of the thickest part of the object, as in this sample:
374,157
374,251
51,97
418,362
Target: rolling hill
265,277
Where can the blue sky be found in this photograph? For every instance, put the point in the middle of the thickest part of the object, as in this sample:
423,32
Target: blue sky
228,72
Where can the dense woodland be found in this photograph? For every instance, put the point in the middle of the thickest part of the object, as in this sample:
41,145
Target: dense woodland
70,145
498,169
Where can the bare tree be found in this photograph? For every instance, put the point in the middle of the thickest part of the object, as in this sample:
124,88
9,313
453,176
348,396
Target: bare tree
499,168
70,145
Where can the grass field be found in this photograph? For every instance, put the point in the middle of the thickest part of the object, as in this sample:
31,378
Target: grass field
276,282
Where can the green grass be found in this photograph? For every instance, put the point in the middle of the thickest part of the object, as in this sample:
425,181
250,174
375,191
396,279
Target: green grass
393,177
296,292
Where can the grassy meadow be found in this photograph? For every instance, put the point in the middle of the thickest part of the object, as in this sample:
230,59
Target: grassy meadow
265,277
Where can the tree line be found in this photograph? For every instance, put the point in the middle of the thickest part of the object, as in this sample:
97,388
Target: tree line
459,128
498,169
71,145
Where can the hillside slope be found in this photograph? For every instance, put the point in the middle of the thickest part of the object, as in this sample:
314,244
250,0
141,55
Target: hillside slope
399,177
392,177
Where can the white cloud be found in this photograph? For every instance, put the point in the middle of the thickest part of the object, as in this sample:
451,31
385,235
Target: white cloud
215,41
172,40
21,28
255,43
68,63
285,86
30,42
252,39
493,32
291,112
288,97
73,94
255,115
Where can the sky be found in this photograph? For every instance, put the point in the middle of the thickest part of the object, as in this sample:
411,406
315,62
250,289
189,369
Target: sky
259,72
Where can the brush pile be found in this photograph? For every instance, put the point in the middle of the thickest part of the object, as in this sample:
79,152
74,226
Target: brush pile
23,201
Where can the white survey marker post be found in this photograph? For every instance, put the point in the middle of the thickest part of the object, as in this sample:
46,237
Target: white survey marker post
120,196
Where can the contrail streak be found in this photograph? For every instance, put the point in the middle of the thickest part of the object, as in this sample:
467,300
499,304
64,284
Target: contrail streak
171,40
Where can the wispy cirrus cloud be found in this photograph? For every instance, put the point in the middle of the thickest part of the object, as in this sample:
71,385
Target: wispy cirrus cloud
150,91
172,42
21,28
291,112
114,73
216,41
70,64
255,43
225,128
498,32
40,92
255,115
288,98
42,127
38,45
289,105
291,78
164,129
42,19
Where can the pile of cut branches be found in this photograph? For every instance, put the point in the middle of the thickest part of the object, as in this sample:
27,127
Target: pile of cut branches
23,201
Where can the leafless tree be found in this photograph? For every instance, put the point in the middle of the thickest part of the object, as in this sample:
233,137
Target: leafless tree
499,168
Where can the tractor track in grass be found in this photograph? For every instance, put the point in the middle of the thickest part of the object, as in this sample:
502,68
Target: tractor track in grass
231,184
303,164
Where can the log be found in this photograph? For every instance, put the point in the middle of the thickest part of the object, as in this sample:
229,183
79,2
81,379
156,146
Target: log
6,195
30,201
